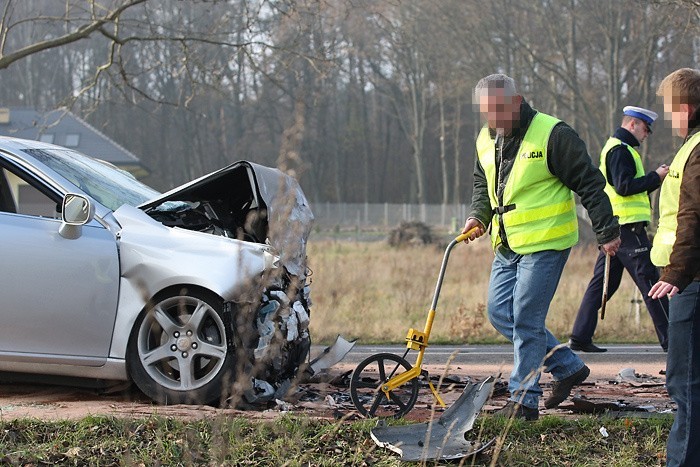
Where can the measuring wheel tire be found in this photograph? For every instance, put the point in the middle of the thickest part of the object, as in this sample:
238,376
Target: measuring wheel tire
366,382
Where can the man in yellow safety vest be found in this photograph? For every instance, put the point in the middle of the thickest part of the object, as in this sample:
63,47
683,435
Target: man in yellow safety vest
528,166
628,187
676,248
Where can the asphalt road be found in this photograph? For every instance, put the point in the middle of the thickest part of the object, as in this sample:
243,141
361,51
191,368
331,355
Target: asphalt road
617,354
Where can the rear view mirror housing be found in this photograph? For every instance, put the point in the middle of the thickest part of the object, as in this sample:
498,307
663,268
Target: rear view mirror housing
76,211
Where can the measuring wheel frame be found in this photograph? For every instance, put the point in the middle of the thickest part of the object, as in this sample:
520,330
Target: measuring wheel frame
387,388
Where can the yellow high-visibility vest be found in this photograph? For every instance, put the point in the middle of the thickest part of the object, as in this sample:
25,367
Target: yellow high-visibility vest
538,210
668,204
632,208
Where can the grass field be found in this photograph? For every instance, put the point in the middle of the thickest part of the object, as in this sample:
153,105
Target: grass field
373,292
300,441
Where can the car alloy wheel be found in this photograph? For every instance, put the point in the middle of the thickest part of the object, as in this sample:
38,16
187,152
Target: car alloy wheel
179,349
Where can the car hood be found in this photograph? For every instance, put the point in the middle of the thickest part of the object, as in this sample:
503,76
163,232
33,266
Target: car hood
262,203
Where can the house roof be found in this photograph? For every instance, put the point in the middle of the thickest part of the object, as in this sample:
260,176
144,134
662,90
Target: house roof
64,128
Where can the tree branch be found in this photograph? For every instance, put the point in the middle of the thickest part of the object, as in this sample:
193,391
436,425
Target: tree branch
81,33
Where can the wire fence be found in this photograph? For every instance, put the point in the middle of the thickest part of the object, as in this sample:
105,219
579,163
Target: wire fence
388,215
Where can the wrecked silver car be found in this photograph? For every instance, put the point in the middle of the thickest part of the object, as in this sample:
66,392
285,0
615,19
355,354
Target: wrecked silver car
198,295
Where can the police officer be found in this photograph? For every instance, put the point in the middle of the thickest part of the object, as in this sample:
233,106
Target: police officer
628,188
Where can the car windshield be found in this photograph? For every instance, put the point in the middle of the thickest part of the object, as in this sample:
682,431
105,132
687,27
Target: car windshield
108,185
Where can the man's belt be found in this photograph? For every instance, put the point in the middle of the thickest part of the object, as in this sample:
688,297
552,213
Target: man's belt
636,227
503,209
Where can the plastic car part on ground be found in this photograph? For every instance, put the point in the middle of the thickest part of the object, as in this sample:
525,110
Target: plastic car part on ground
331,355
629,376
585,405
444,438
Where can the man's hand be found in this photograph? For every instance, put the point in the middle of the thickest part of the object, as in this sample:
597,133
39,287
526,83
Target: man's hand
471,223
661,289
611,247
662,171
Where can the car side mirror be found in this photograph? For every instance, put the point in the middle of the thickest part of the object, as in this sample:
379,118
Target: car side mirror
76,211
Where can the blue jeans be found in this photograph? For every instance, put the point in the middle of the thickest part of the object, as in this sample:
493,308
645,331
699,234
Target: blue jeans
520,291
683,376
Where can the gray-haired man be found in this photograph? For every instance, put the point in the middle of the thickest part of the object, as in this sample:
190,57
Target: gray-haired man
528,165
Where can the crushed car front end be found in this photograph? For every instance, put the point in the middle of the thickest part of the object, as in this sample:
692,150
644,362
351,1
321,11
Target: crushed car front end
261,209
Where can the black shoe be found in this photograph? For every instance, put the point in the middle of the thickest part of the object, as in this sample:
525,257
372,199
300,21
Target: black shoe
516,410
590,347
562,389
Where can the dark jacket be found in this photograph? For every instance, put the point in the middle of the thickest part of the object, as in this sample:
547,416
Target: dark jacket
622,171
567,159
684,265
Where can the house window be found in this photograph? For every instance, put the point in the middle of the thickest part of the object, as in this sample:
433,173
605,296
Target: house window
72,140
46,138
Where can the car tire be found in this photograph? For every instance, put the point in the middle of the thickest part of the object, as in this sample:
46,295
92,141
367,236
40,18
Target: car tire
180,349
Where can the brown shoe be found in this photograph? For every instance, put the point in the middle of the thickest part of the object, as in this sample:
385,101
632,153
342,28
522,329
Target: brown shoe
562,389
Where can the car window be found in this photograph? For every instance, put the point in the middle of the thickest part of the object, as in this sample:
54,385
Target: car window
18,195
7,200
107,184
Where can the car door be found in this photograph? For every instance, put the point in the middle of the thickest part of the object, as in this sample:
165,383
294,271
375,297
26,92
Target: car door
58,296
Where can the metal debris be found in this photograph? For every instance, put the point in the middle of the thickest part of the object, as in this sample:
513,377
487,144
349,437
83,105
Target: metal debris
444,438
628,376
584,405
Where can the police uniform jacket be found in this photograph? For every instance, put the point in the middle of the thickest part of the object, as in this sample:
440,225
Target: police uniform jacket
621,169
568,160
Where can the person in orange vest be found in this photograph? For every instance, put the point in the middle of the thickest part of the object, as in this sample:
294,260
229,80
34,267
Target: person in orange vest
527,168
628,188
676,248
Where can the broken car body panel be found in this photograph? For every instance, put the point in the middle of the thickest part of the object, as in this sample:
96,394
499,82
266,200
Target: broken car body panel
444,438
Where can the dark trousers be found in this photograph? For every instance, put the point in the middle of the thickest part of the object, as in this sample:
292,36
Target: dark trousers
633,256
683,377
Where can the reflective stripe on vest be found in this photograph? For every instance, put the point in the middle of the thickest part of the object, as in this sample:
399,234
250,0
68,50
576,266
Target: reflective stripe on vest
632,208
668,204
544,217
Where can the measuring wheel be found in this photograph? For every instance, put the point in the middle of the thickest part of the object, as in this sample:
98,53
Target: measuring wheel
366,387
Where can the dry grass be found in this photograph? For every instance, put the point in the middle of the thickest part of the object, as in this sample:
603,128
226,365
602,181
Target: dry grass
375,293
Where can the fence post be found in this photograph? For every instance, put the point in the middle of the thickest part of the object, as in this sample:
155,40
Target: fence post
386,214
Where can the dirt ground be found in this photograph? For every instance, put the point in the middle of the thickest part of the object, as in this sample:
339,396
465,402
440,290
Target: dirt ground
330,399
